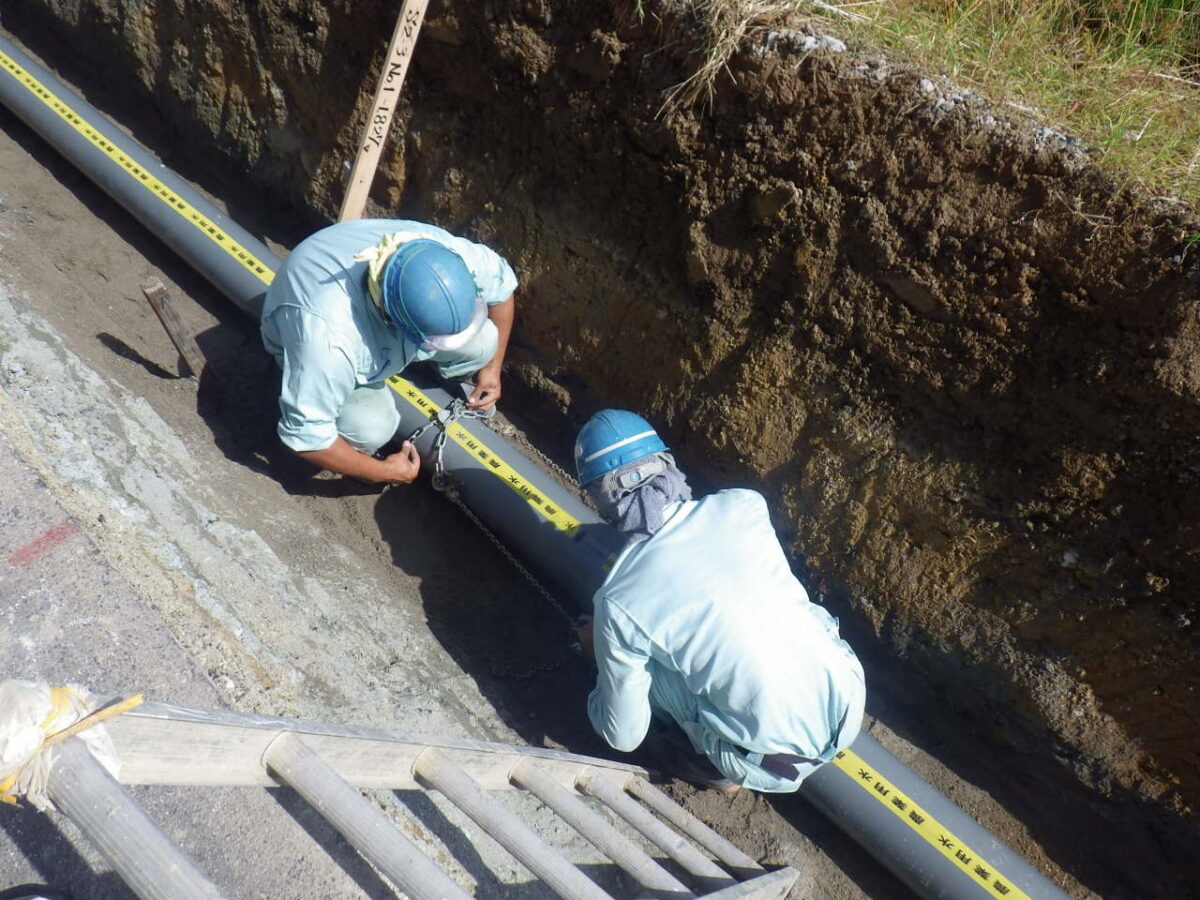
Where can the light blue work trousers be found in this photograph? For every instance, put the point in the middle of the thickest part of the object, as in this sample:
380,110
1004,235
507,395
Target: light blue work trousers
671,699
369,418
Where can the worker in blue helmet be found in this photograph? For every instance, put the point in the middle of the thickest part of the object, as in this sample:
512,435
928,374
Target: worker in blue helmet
708,651
356,303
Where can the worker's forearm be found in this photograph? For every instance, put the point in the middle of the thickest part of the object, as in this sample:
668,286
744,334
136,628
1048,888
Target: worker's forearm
621,715
487,379
502,316
342,458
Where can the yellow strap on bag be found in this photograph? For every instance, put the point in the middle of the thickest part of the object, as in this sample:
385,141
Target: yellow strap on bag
60,707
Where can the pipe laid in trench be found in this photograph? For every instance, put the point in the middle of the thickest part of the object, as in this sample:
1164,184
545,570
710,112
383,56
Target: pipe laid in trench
535,515
931,845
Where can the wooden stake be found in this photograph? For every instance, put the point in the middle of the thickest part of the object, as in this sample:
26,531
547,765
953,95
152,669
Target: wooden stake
404,38
160,302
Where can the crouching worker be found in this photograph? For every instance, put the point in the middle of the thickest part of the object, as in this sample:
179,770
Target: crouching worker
357,302
706,645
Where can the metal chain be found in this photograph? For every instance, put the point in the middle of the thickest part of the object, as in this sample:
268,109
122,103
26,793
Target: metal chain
567,478
445,484
510,670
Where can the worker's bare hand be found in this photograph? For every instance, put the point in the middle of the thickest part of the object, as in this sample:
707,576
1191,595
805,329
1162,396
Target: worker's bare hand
587,642
401,467
487,389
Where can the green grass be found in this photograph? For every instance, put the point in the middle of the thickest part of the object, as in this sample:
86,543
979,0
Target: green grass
1122,75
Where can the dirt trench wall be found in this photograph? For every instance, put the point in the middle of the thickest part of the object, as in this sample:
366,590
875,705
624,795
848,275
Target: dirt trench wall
964,368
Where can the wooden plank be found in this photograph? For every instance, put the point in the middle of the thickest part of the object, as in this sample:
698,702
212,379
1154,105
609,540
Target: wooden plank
439,773
743,865
593,826
160,302
391,78
707,873
164,744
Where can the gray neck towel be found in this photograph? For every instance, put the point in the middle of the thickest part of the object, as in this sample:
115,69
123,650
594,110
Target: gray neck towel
638,513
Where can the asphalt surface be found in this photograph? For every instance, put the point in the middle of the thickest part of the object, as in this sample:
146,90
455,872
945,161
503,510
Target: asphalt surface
69,617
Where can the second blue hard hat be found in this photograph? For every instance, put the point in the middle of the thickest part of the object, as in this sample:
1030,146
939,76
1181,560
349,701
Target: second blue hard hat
428,291
613,438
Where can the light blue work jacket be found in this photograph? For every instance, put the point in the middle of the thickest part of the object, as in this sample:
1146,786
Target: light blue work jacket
710,600
322,327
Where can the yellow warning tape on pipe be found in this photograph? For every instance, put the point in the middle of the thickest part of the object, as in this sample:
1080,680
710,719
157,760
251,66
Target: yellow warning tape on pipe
930,829
136,171
493,463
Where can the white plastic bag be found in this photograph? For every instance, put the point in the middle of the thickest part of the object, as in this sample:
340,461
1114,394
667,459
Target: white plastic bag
30,712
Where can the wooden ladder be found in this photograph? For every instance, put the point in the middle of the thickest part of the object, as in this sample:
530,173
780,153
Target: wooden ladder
328,765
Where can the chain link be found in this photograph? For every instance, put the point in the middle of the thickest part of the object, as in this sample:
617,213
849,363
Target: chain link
444,483
568,480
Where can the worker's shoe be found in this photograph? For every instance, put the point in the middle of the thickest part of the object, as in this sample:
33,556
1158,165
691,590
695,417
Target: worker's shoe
672,753
392,446
33,892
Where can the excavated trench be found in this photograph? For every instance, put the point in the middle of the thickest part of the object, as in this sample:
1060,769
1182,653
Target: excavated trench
963,366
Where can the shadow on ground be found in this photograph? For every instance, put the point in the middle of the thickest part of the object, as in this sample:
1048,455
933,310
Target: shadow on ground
423,809
331,841
495,625
56,860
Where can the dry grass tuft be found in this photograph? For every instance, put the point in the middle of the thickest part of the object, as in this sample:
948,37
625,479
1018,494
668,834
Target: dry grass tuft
723,25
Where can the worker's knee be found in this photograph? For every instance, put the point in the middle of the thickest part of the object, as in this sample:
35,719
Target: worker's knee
369,418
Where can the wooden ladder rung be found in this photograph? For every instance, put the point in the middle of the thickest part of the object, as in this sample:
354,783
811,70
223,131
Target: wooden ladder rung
434,770
593,826
742,864
140,852
708,873
366,827
327,765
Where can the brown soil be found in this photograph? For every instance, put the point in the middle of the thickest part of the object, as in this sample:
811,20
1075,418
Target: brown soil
963,365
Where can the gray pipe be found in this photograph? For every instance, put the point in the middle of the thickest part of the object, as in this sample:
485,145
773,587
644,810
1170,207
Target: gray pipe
916,833
237,263
922,858
577,562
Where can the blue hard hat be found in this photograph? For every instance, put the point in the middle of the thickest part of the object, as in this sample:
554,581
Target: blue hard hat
613,438
428,290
